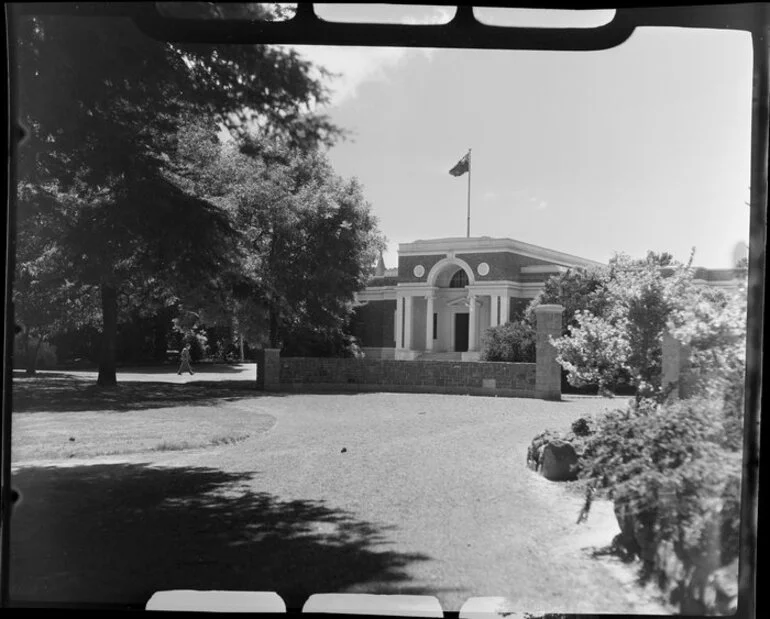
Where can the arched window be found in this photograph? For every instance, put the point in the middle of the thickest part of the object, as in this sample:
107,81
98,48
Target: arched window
459,280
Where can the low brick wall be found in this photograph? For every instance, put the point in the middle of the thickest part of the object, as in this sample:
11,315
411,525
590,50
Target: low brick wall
478,378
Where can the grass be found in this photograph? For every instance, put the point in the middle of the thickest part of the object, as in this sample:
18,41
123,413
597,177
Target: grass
61,415
431,497
54,436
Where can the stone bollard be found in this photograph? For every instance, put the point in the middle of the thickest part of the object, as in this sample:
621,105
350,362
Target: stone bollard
268,369
548,371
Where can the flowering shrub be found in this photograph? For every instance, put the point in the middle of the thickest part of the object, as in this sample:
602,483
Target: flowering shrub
512,341
625,336
594,353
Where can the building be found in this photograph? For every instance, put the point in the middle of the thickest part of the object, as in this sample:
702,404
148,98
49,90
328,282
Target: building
446,292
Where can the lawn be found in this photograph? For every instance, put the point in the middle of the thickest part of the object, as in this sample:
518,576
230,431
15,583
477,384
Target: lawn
65,415
380,493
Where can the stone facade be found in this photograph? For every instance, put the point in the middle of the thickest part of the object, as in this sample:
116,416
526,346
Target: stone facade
501,379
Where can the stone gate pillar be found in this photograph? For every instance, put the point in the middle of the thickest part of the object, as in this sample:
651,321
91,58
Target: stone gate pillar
548,372
268,369
676,365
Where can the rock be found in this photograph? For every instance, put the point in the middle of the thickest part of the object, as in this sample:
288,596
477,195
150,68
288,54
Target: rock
535,450
344,449
560,461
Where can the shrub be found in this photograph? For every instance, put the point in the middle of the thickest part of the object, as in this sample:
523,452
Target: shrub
583,426
512,342
46,356
24,357
671,471
310,343
198,342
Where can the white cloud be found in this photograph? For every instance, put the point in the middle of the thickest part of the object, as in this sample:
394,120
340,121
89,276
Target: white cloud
542,205
357,65
352,65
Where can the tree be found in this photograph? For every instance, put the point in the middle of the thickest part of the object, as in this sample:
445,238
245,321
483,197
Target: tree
309,242
577,289
95,163
639,297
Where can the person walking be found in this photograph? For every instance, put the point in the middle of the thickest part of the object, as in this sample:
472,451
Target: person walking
184,357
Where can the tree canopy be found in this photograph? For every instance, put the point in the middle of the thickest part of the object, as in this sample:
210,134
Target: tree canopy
307,244
98,192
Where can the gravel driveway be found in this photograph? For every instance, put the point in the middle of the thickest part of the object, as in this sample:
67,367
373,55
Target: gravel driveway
379,493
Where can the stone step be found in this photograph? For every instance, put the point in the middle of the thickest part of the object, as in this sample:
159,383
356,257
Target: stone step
440,356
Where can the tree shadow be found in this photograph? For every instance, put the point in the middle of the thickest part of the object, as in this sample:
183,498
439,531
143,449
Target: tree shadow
114,534
68,393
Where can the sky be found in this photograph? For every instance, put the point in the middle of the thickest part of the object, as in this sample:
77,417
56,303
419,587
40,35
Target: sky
642,147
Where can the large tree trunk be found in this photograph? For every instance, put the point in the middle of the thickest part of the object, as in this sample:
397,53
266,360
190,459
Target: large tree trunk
107,361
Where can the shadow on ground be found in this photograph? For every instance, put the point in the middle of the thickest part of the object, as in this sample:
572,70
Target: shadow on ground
114,534
66,393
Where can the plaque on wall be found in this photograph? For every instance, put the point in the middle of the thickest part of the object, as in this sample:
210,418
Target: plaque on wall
419,270
483,269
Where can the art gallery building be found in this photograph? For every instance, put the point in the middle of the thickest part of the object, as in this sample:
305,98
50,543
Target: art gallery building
445,292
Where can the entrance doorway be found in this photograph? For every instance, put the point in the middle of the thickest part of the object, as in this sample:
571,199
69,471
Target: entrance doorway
461,332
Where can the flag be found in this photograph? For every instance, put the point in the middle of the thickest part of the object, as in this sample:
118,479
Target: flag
462,166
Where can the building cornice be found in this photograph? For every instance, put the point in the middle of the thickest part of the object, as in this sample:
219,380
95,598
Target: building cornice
486,244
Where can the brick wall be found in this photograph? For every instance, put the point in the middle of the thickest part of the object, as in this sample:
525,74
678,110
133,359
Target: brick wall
406,266
524,380
481,378
502,265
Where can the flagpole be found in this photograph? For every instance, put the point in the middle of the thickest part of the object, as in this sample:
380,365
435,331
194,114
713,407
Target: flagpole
468,231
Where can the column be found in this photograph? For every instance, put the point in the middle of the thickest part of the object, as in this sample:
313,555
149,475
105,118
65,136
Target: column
494,315
471,322
505,308
408,323
548,371
429,322
399,321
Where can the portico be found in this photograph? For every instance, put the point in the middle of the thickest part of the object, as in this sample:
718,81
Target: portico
449,312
